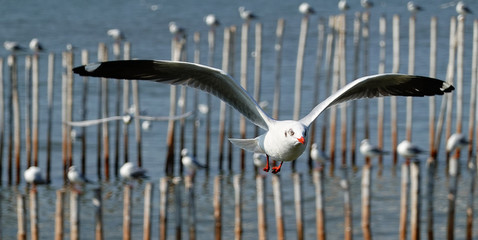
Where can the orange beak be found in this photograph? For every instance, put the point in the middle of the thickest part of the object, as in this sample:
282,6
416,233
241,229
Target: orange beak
301,140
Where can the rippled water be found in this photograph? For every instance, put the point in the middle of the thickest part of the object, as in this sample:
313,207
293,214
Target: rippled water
85,23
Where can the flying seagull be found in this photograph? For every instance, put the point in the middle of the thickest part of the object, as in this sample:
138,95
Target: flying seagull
283,140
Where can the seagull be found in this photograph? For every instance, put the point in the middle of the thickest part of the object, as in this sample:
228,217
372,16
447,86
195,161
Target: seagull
189,161
367,4
211,20
129,171
127,118
259,160
33,175
462,9
456,141
246,15
283,140
35,45
116,34
343,5
146,125
75,177
413,8
175,29
306,9
368,150
407,150
12,46
318,156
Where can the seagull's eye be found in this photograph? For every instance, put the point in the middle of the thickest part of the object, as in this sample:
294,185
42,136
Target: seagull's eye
291,132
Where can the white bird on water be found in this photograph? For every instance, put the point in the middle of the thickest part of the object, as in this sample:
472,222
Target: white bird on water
456,141
12,46
407,150
413,8
369,150
462,9
130,171
283,140
35,45
306,9
343,5
317,155
116,34
189,161
33,175
211,20
367,4
75,177
245,14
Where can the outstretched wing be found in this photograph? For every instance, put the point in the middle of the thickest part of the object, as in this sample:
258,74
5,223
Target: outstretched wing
382,85
211,80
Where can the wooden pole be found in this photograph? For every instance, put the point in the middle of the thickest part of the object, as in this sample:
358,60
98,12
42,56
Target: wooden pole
117,107
381,101
34,214
2,123
276,191
344,183
211,39
237,182
243,80
178,202
21,218
299,211
393,99
343,82
278,67
432,73
50,81
429,196
453,181
415,200
74,215
35,81
137,123
163,207
318,178
411,71
231,122
104,114
474,66
16,125
12,65
84,111
328,66
261,208
365,60
217,205
127,209
257,68
69,105
366,199
189,183
97,203
469,206
404,202
148,200
356,57
459,74
450,72
28,136
126,104
333,109
59,213
222,112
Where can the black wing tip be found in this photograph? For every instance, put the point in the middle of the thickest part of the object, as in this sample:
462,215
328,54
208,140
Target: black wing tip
446,87
87,70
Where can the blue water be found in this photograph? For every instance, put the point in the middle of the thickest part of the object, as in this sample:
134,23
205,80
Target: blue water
84,24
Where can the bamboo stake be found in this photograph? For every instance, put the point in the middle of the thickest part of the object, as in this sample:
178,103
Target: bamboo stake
333,109
299,211
343,82
450,71
278,67
21,218
472,116
353,127
243,80
127,209
59,213
189,182
366,199
84,111
197,52
2,123
415,200
126,103
453,172
104,113
261,208
34,214
318,70
178,202
393,99
163,207
237,182
433,66
231,122
35,81
50,80
299,67
117,56
16,124
99,126
257,67
222,112
366,47
411,71
344,183
276,190
97,203
148,199
137,127
469,207
381,101
404,202
429,196
12,65
217,204
318,178
211,39
328,64
28,136
459,74
74,215
69,104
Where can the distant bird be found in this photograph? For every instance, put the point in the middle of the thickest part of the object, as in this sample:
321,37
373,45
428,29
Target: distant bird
69,47
75,177
75,134
211,20
189,161
456,141
35,45
260,160
116,34
127,118
343,5
367,4
413,8
203,108
246,15
407,150
33,175
368,150
12,46
176,30
146,125
317,155
462,9
129,171
306,9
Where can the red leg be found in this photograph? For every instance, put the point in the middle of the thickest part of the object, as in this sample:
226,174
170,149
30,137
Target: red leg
277,169
266,168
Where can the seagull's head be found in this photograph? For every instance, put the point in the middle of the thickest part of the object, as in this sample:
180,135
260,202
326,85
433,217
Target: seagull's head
295,132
